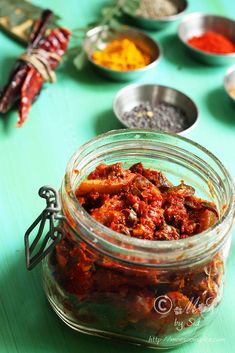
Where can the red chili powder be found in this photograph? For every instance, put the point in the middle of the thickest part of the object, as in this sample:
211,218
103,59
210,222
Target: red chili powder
213,42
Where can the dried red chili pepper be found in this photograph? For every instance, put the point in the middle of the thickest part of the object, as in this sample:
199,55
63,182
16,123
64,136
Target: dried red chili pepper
26,80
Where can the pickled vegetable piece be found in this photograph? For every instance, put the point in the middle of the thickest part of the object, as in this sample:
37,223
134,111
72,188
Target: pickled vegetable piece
106,180
176,314
156,177
103,186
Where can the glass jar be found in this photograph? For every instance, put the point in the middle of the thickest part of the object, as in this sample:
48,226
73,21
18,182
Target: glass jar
156,293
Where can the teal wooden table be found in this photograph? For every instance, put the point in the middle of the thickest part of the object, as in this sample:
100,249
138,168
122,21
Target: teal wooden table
67,114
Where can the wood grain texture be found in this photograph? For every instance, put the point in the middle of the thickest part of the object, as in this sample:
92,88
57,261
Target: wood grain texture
67,114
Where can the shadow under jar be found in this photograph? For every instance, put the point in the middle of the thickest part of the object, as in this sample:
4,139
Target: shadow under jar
156,293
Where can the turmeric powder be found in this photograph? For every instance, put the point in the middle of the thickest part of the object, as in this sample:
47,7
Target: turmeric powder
121,55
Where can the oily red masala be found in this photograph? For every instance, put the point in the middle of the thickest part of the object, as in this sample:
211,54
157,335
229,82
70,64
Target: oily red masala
142,203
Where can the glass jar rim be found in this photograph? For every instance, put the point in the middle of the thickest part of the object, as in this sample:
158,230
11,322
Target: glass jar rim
121,240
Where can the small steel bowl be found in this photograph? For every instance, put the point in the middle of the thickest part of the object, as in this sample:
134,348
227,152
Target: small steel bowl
131,96
196,24
161,22
229,81
98,38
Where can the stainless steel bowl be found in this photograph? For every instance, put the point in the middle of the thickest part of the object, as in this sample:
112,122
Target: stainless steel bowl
98,38
161,22
131,96
195,24
229,82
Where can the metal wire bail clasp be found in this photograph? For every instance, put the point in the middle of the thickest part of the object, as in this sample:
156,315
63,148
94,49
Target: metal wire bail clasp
55,233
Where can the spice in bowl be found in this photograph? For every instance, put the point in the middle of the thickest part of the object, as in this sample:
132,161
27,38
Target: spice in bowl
231,92
121,55
155,9
212,42
161,116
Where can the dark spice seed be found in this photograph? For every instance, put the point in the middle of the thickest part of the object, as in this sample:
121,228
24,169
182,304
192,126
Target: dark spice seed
161,116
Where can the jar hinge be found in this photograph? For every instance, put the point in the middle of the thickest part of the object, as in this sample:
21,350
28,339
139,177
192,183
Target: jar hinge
51,213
